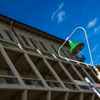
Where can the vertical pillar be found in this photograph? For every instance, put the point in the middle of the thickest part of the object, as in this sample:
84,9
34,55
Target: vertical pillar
49,95
66,96
24,95
93,96
81,96
13,69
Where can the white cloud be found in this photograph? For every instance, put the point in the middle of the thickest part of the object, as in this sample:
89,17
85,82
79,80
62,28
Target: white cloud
59,14
92,23
97,29
57,10
94,49
61,5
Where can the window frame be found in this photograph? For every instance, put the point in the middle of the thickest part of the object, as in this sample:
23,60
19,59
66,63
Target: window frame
33,42
24,39
9,35
54,49
43,46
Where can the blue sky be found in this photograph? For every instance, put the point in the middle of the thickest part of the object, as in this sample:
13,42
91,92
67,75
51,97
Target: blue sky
60,18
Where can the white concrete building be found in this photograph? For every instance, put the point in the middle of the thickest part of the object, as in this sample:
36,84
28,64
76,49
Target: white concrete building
30,68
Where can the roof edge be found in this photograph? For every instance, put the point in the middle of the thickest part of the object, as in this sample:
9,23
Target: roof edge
29,28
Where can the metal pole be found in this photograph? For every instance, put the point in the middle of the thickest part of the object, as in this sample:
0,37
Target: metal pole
87,44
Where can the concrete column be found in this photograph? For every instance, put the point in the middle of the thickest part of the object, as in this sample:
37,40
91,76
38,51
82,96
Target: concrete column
35,69
24,95
53,72
93,97
66,96
12,67
81,96
49,95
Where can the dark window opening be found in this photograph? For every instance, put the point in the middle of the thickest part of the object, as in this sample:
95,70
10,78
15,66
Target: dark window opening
9,80
1,36
70,86
56,84
84,87
33,43
9,35
74,87
40,83
28,82
43,46
24,39
54,49
49,83
17,36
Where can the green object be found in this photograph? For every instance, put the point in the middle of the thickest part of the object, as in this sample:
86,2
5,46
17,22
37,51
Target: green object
75,47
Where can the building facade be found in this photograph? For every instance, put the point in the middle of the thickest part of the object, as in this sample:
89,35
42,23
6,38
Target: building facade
30,68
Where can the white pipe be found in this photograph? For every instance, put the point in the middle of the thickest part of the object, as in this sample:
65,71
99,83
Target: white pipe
93,87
